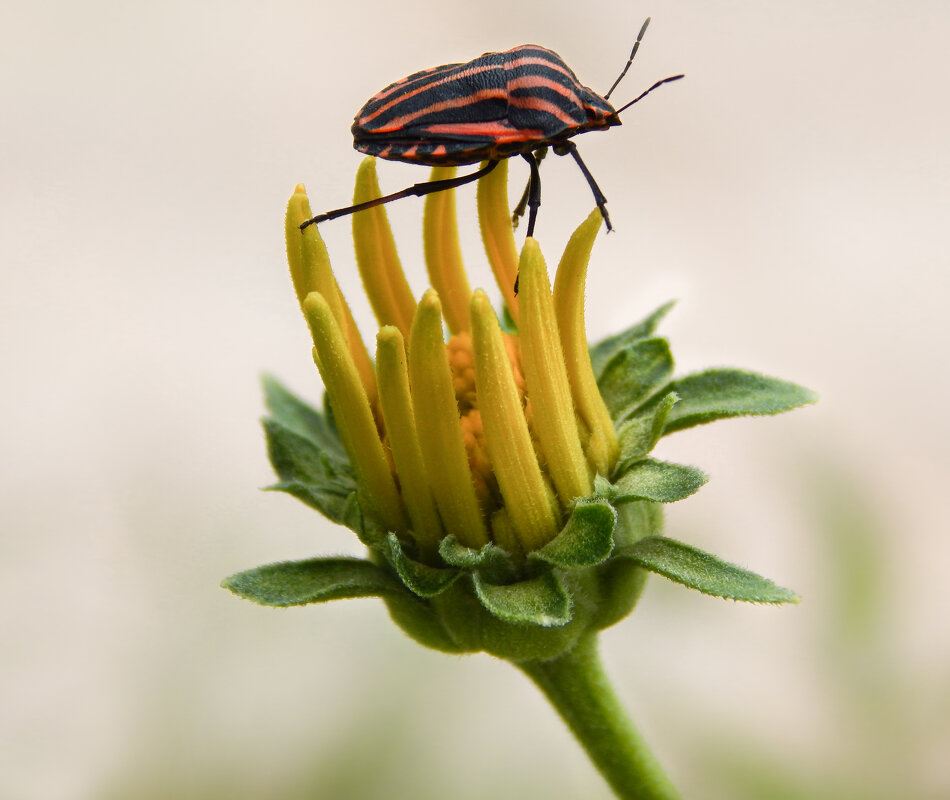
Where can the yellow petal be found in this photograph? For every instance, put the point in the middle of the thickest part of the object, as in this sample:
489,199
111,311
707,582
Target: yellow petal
311,272
443,254
439,429
353,414
546,381
384,281
506,432
602,449
494,217
301,271
396,402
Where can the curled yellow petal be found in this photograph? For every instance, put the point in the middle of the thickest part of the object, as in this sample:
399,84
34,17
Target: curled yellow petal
602,448
396,402
311,272
302,270
439,429
506,433
353,414
384,281
546,380
443,255
494,218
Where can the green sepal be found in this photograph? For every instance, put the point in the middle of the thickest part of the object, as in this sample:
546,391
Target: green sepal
305,450
473,627
586,540
293,457
638,435
297,583
606,349
369,532
722,393
299,416
422,623
651,479
541,601
634,374
490,561
620,580
422,579
296,456
704,572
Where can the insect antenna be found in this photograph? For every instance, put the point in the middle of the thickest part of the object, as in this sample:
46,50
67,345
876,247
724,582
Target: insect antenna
654,86
636,46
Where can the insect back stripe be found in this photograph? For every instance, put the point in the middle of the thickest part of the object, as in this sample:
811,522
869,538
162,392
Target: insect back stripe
543,91
410,82
460,93
543,95
527,56
402,90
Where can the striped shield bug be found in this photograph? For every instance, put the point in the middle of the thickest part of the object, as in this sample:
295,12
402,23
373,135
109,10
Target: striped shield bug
519,102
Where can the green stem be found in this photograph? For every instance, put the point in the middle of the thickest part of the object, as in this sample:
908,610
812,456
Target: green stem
577,686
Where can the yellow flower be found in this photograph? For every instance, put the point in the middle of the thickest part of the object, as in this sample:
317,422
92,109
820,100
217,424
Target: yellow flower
489,435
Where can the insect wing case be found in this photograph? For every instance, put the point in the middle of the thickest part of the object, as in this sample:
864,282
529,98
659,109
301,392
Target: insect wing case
452,114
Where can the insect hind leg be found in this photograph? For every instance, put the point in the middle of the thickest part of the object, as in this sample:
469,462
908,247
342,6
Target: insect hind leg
416,190
565,148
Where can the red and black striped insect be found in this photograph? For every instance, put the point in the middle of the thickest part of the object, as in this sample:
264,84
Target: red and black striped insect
521,101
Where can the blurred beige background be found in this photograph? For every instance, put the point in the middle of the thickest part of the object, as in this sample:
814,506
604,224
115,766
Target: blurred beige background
794,194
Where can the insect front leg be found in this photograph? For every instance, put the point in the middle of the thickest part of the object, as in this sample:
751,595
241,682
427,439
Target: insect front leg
565,148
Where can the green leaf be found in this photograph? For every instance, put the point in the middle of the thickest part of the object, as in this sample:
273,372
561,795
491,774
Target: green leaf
541,601
604,350
307,472
587,538
296,583
722,393
705,572
422,579
638,435
490,560
299,416
660,481
633,374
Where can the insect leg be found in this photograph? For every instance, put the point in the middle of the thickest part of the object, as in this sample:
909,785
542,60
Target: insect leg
563,148
416,190
519,209
533,195
533,191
